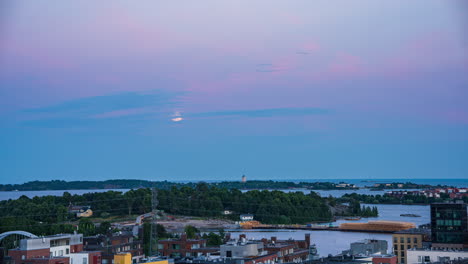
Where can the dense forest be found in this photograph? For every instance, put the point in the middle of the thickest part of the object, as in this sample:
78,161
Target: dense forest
49,214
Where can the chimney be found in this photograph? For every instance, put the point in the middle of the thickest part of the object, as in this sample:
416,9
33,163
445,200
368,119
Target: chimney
183,237
307,240
273,240
227,237
242,236
265,241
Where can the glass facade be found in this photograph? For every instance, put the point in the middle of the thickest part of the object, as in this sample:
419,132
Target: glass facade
449,223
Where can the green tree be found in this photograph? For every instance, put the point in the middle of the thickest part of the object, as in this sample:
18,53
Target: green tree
86,227
191,231
104,228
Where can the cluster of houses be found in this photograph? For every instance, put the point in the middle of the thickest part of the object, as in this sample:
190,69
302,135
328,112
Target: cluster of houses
453,193
125,248
445,241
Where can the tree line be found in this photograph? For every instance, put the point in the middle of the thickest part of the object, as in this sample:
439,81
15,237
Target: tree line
50,214
134,184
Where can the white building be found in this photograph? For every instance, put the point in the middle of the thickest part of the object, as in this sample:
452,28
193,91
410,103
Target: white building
417,256
246,217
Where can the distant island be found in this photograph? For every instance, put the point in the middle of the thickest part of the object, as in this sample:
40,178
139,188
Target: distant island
401,185
165,185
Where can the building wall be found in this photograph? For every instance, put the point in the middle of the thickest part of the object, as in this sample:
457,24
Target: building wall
420,256
239,251
123,258
60,251
181,247
384,260
403,242
79,258
20,255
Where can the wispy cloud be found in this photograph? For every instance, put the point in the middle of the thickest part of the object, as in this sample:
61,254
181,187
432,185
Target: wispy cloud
90,110
268,112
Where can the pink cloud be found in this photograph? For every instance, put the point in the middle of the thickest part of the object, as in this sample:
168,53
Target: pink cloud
344,65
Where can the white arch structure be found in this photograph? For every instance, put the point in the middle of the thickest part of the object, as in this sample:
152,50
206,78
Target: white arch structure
22,233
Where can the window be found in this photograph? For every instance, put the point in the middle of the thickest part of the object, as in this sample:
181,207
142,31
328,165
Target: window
67,251
427,258
194,246
395,240
67,242
60,252
229,254
402,240
402,247
395,247
175,246
408,240
415,240
408,246
85,260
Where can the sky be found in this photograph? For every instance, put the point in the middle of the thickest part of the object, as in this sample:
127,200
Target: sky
211,90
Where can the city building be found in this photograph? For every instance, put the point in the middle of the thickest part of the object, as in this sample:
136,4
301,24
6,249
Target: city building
93,257
56,249
449,225
185,247
367,247
407,239
241,249
384,259
417,256
112,244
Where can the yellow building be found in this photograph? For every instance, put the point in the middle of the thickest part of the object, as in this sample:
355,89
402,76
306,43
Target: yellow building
404,240
123,258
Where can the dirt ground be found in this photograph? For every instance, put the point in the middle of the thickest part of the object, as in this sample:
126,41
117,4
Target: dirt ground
180,223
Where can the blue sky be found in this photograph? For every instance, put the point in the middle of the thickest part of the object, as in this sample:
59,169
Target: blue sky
209,90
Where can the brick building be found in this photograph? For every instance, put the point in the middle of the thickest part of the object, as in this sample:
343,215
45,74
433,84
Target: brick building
185,247
384,259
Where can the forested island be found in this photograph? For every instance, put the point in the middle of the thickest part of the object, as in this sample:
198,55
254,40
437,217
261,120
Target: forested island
165,185
403,185
387,199
50,214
